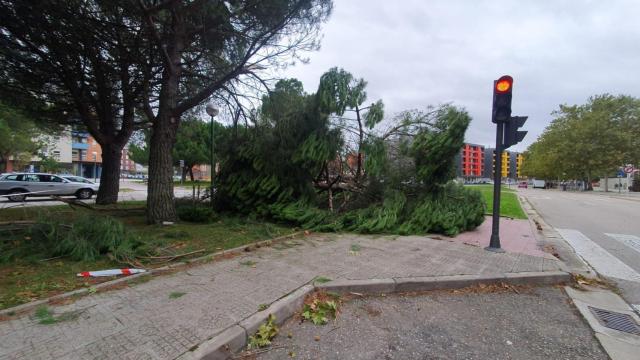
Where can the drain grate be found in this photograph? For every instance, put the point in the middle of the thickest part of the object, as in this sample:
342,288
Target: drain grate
616,321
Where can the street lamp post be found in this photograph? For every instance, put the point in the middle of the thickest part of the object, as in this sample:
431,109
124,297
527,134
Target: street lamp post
212,111
95,166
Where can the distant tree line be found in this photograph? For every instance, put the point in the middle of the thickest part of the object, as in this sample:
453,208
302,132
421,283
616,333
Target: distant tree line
587,141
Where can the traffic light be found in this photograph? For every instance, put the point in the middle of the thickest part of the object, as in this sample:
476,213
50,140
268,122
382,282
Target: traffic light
502,99
512,135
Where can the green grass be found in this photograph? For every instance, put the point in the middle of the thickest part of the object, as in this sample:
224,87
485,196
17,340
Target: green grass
509,203
28,278
176,294
189,184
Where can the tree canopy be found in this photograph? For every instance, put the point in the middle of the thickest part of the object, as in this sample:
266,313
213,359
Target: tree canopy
587,141
19,136
290,166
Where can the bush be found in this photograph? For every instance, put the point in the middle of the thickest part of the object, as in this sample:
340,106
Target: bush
450,210
195,213
91,236
85,239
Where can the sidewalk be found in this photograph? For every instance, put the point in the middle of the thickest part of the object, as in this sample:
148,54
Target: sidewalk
152,321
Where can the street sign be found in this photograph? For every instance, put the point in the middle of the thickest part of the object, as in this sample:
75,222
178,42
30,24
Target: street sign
628,169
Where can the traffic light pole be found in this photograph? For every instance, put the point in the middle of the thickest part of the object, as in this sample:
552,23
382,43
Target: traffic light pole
494,243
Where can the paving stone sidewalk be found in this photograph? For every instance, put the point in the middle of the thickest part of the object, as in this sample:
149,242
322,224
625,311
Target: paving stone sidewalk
145,322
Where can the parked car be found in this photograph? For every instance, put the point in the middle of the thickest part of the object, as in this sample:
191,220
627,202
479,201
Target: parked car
16,187
77,179
523,184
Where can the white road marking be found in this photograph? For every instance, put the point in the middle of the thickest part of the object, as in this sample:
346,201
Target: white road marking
631,241
600,259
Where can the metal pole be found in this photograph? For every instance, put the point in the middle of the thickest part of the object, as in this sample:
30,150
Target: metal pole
494,243
212,164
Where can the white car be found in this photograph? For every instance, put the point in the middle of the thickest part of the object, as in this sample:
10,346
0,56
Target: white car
16,187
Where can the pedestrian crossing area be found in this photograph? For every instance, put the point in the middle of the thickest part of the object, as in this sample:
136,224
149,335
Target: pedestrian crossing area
631,241
600,259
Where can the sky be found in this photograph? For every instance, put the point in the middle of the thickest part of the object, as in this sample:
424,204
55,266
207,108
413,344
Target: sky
416,53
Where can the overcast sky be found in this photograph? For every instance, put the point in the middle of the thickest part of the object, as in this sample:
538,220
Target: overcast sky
416,53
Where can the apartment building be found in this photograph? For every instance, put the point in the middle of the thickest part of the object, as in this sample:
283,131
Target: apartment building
77,152
511,163
470,162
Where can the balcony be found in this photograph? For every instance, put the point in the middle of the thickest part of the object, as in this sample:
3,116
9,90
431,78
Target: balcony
81,146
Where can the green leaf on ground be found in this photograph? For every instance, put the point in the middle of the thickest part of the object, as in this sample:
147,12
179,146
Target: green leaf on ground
176,294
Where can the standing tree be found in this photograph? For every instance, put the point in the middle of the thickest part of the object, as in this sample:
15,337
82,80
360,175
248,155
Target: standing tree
79,62
193,145
18,135
585,141
340,92
212,47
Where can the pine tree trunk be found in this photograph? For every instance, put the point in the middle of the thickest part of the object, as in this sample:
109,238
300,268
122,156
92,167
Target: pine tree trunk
110,176
185,170
160,205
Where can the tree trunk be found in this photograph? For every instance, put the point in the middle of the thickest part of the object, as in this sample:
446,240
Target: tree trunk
110,176
160,206
185,170
191,173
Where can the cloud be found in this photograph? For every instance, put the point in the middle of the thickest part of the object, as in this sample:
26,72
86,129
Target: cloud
416,53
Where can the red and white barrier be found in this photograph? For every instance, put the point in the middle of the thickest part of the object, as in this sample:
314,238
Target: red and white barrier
111,272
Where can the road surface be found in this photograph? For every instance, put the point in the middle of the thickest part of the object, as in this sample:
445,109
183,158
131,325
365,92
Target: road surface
129,190
538,323
603,228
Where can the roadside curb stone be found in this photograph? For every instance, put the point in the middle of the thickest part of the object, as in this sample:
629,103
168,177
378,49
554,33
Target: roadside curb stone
221,346
365,286
282,310
538,278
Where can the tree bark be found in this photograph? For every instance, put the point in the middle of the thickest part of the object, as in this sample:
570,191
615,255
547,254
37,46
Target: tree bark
185,170
110,176
191,173
160,205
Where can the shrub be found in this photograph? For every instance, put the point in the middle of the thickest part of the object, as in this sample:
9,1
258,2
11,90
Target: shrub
90,236
449,211
195,213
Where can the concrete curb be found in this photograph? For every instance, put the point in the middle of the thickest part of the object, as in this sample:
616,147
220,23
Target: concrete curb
202,259
235,337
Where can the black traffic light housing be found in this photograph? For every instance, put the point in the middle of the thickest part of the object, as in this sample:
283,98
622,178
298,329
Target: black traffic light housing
512,135
507,134
502,89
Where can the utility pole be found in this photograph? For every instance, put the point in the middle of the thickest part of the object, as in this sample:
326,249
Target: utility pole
212,111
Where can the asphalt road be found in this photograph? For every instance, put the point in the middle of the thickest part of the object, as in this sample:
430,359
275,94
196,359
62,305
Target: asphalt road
603,228
129,190
538,323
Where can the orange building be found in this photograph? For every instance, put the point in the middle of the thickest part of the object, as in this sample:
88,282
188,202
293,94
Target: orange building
470,162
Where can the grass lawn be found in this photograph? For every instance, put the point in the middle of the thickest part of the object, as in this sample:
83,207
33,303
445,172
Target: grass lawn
30,277
509,203
189,184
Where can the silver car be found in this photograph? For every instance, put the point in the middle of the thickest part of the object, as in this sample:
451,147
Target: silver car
16,187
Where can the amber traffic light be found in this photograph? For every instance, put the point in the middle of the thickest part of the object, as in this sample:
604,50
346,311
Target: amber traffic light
502,99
